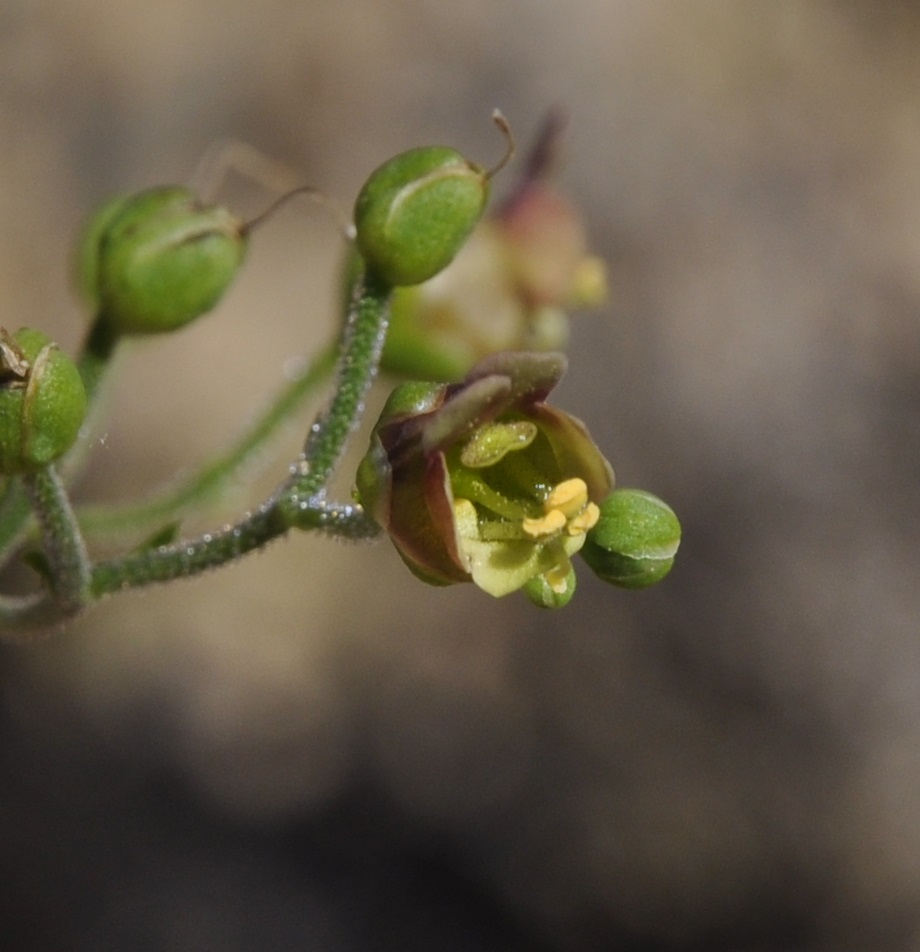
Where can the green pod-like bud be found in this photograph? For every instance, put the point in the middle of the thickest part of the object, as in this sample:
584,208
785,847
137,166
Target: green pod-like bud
635,540
42,402
415,212
154,261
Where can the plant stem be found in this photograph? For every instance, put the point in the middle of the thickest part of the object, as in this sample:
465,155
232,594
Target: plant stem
364,335
95,358
63,544
207,483
298,502
343,520
190,557
19,615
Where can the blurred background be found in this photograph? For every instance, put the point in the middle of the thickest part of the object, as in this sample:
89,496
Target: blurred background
310,750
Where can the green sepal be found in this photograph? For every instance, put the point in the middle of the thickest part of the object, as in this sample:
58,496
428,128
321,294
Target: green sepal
373,481
411,399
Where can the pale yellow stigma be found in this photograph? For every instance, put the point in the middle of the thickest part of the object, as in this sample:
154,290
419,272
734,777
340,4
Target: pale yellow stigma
566,507
557,578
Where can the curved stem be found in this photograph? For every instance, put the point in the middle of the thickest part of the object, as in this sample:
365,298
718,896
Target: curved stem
96,357
190,557
298,502
21,616
68,561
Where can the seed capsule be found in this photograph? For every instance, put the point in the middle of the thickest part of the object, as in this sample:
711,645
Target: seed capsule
415,212
154,261
42,402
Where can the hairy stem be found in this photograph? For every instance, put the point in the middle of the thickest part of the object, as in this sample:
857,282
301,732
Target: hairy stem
209,481
298,502
68,561
343,520
189,557
364,335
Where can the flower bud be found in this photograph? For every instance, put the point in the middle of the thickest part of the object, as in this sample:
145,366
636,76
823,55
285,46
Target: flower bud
415,212
154,261
42,402
634,541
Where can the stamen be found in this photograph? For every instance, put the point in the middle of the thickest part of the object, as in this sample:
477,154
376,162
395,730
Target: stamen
585,520
465,519
552,522
570,496
566,507
469,484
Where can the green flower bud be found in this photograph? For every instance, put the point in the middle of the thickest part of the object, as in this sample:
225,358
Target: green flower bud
155,261
415,212
42,402
635,540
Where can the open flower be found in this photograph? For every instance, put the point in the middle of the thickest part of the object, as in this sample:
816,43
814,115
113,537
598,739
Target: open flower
482,481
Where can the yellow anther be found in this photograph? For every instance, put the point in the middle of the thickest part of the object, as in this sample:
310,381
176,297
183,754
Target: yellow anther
569,497
585,520
552,522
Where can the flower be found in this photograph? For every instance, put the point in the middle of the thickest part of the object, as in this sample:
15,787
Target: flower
483,481
510,286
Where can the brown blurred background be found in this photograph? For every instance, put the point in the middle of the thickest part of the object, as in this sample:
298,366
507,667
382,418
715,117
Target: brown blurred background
312,751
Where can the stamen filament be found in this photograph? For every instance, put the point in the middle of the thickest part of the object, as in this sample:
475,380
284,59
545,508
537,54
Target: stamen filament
467,484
